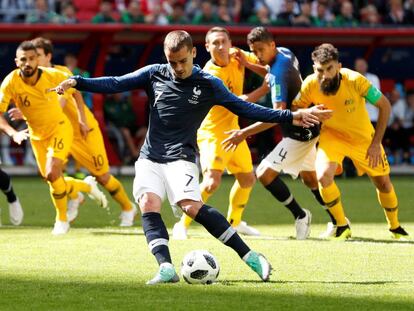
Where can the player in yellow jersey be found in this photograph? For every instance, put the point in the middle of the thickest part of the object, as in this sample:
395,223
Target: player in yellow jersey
50,131
214,159
88,148
349,133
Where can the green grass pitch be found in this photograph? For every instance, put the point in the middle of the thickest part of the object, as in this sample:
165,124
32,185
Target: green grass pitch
99,266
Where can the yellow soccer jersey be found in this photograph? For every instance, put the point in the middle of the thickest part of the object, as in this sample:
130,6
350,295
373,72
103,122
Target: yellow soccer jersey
39,106
219,119
71,111
350,119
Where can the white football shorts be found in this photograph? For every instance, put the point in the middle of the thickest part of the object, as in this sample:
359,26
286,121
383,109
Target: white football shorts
179,180
291,157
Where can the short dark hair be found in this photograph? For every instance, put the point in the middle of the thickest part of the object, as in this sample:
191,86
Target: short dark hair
325,53
217,29
259,34
26,46
176,40
44,44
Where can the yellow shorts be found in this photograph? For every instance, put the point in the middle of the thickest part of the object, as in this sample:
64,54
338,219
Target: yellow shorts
333,149
55,146
213,156
90,152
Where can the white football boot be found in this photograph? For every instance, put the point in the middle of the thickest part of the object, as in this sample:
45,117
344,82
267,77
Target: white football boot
73,207
127,217
60,227
179,231
303,226
243,228
95,193
16,212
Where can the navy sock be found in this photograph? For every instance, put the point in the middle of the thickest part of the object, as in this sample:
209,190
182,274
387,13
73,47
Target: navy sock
219,227
281,192
6,187
157,236
318,197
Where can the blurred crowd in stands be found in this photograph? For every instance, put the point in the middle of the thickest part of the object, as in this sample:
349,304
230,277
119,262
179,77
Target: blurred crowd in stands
126,118
299,13
125,114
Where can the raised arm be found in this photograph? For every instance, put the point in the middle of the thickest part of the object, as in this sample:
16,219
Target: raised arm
128,82
251,111
239,55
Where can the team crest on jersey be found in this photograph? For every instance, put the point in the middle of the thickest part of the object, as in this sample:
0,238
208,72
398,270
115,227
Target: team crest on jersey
349,104
196,94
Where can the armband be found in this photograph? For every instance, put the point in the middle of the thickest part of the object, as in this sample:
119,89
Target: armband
373,95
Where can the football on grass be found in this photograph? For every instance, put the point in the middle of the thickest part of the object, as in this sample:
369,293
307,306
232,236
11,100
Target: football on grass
199,267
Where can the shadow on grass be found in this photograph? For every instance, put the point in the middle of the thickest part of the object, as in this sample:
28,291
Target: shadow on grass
370,240
23,294
109,232
229,283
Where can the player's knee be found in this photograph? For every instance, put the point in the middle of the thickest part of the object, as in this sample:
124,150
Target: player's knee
52,174
190,207
265,176
310,181
103,179
247,181
384,186
325,180
148,204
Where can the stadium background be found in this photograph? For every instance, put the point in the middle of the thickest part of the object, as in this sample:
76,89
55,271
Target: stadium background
100,267
115,49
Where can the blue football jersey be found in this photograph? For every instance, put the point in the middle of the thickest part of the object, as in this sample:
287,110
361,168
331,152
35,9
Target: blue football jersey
178,106
285,81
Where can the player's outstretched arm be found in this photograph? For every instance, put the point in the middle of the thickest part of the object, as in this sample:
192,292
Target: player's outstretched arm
311,116
258,93
237,136
255,67
128,82
64,86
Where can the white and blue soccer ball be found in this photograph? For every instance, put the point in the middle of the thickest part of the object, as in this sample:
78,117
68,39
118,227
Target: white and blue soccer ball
200,267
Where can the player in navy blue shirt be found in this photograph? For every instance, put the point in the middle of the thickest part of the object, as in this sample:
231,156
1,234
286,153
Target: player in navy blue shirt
180,95
296,153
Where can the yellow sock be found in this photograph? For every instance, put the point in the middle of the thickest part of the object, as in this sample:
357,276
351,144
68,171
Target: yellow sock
57,190
237,201
389,203
185,219
117,191
332,197
205,195
74,186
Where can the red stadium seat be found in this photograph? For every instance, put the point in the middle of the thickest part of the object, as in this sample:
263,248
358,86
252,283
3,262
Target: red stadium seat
409,84
387,85
86,9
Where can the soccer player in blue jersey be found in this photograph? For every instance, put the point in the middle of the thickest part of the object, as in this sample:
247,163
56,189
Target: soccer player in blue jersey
180,96
296,153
